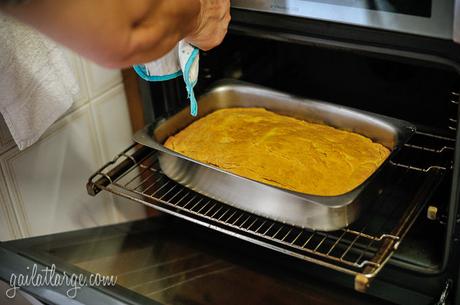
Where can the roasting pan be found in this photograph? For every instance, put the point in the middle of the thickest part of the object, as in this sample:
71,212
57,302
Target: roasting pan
326,213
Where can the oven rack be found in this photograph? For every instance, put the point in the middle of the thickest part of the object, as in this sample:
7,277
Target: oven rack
360,250
454,108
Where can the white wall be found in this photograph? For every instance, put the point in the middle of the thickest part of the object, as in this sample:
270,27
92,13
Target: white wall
42,189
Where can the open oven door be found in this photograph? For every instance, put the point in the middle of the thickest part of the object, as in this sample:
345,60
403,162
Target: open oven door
165,260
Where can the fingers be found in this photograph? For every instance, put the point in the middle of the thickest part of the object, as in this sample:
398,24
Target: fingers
157,31
213,24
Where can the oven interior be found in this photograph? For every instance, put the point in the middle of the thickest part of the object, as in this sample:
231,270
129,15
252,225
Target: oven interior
420,92
423,93
415,204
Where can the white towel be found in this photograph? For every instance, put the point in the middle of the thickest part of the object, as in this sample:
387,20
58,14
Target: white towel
36,83
183,60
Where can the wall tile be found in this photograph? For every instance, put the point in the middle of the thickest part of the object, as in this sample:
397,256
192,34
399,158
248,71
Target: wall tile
42,189
5,231
127,210
111,116
9,228
100,79
47,181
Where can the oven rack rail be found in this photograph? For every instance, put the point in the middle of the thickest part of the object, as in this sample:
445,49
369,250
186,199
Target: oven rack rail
360,250
454,108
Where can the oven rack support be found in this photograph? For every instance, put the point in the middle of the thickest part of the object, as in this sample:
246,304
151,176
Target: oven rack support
454,105
360,250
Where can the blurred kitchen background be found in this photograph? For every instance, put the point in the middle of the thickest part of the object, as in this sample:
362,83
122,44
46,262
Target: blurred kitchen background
42,189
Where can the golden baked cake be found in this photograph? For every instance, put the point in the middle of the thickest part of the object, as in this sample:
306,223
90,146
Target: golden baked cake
280,150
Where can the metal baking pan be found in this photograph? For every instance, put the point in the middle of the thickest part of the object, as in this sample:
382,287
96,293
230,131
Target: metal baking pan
324,213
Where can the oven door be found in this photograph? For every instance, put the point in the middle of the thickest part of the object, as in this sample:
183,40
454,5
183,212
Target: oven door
166,260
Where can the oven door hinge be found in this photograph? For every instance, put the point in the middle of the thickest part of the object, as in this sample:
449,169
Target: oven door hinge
443,299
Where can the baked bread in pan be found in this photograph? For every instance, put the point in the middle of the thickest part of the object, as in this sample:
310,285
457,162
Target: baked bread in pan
280,150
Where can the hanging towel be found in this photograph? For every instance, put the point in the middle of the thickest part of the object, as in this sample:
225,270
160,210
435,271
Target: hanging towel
36,83
183,60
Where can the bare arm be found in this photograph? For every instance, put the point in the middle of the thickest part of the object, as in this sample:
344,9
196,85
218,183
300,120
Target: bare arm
119,33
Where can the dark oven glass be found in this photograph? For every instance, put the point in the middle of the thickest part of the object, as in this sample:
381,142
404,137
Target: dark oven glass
165,260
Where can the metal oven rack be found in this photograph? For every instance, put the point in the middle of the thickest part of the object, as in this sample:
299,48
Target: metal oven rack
454,108
360,250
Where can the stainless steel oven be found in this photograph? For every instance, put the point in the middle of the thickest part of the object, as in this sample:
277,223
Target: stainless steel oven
423,17
392,58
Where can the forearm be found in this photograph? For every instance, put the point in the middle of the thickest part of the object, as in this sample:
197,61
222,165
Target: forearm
112,32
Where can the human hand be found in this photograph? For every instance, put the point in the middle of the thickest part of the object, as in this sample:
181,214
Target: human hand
212,24
113,33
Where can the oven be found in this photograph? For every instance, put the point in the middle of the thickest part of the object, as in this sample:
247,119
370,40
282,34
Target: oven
392,58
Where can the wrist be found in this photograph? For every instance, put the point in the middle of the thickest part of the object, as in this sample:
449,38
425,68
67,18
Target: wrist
193,12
